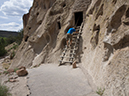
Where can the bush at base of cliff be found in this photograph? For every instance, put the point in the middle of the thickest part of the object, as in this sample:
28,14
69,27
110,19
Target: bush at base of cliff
4,91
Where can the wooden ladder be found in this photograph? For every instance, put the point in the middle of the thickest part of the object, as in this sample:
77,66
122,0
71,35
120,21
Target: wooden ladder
69,53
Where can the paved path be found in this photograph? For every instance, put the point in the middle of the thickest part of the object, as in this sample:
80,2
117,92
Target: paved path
51,80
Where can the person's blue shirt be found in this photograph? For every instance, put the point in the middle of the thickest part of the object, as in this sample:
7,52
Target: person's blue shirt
71,30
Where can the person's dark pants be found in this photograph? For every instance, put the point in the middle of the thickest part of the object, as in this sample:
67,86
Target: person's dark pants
69,37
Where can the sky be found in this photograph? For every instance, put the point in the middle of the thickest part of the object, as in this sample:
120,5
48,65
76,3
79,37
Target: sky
11,12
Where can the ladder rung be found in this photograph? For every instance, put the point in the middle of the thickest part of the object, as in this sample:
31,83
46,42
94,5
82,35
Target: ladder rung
72,53
75,42
65,49
74,36
68,61
74,49
75,33
66,57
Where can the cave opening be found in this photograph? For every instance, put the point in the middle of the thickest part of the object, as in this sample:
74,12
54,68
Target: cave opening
40,22
37,13
78,18
26,38
29,28
127,13
59,25
64,5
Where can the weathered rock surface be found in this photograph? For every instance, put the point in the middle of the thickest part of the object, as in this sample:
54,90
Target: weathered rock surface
105,39
44,30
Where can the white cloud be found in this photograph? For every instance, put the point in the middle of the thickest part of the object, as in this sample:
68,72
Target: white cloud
11,26
16,7
3,17
13,11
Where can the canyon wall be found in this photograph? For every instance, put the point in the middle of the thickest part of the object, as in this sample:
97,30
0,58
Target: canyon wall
45,28
106,45
105,37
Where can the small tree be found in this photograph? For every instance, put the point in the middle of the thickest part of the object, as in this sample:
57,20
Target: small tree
19,37
2,41
2,49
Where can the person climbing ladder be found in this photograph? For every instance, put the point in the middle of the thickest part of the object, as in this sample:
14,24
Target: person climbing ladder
69,36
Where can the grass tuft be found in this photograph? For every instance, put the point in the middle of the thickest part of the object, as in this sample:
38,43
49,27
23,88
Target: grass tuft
16,69
100,91
4,91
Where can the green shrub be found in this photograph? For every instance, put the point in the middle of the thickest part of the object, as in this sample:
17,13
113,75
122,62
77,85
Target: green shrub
2,49
12,55
4,41
100,91
14,47
16,69
4,91
5,72
10,40
19,37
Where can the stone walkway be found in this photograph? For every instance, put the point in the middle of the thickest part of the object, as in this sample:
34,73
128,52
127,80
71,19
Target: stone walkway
51,80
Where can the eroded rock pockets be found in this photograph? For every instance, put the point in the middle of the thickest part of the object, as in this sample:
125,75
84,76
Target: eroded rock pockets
116,18
117,23
95,6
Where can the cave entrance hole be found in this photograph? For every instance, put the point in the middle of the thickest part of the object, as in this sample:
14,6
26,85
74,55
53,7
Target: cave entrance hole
26,38
59,25
78,18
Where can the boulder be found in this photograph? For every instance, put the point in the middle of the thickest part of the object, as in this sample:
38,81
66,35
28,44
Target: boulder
22,71
10,70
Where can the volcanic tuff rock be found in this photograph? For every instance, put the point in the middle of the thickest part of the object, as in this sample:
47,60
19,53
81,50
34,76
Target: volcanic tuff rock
45,27
104,39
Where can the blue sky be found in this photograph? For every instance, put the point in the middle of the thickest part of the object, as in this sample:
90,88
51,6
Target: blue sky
11,12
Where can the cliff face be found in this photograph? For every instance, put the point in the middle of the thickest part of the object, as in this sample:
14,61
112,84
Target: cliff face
45,27
104,38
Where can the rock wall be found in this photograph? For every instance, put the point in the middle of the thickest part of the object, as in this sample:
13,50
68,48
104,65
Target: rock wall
106,46
104,39
45,27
